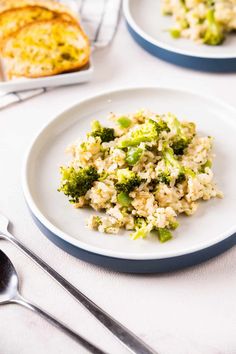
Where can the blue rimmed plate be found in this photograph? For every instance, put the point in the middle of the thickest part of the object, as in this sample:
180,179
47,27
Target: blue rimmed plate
209,232
149,28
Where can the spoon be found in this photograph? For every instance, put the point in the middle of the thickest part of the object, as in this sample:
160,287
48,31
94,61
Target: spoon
9,293
126,337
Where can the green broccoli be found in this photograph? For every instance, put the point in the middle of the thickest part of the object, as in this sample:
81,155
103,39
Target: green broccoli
141,229
127,181
205,165
164,177
124,122
170,159
124,199
133,155
180,145
175,33
164,234
75,183
146,132
180,142
214,34
172,162
106,134
181,177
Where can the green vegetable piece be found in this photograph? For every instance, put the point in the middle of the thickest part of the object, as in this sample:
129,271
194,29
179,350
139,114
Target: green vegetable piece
207,164
124,199
133,155
181,177
76,183
171,161
124,122
180,145
214,34
164,177
164,234
175,33
147,132
106,134
180,142
127,181
141,229
174,225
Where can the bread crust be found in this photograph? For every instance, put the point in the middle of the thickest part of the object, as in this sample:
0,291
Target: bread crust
48,4
58,70
23,9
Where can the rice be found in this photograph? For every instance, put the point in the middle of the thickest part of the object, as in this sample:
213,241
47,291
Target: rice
154,168
202,21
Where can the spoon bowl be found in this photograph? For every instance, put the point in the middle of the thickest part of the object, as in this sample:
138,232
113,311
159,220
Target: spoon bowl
9,285
8,280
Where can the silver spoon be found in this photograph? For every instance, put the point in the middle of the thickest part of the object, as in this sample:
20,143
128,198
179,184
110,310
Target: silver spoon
9,293
129,339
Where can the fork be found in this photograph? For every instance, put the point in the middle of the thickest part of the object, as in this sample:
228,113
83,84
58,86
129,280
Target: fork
126,337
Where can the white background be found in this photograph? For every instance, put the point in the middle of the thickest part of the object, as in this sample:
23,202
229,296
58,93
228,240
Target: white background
189,312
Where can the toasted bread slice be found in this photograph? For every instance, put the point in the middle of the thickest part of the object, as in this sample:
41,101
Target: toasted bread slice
49,4
12,20
46,48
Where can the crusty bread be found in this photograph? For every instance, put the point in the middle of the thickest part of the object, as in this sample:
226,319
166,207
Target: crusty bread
49,4
46,48
12,20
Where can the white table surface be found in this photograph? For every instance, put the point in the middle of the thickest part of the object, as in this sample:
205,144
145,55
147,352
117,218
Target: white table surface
189,312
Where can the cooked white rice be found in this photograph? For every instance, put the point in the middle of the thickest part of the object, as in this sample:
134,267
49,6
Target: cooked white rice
171,181
203,21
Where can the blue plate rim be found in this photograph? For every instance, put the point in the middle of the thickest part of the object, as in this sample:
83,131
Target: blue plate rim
165,47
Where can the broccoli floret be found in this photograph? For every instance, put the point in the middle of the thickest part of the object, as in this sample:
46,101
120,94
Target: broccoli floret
127,181
164,177
106,134
181,177
171,161
180,145
160,125
180,142
141,229
146,132
214,34
133,155
75,183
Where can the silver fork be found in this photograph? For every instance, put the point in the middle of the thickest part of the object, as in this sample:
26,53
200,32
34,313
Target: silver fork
127,338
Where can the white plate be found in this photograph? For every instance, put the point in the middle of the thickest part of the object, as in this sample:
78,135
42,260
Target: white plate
213,222
23,84
150,28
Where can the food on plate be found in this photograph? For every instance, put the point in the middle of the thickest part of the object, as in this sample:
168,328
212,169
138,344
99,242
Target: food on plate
203,21
40,38
46,48
141,174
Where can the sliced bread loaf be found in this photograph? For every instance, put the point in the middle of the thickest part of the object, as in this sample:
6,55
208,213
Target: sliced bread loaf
46,48
12,20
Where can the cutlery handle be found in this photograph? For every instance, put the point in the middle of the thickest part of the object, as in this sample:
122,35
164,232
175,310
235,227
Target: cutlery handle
129,339
92,349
